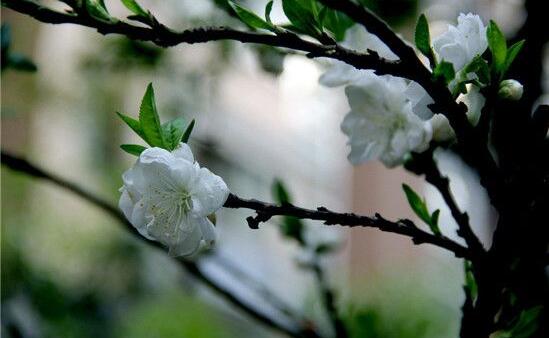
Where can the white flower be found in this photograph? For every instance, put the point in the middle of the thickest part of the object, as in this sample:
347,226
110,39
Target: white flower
510,90
359,39
381,124
442,131
461,43
474,101
167,197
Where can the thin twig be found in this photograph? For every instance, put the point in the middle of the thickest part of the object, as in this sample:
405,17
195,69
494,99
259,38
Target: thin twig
166,37
328,298
21,165
403,226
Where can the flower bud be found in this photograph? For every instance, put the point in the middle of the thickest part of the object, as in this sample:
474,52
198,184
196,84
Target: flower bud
510,90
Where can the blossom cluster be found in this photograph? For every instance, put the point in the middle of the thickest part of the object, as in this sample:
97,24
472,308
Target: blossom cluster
390,116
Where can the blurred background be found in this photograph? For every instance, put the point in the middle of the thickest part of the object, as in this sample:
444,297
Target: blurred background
69,270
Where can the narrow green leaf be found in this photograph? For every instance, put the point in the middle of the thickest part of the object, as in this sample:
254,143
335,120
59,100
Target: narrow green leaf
188,131
290,227
335,22
250,18
433,224
173,132
497,45
97,9
149,119
280,193
133,124
134,149
445,71
268,9
135,8
512,53
470,282
301,16
423,37
417,204
480,67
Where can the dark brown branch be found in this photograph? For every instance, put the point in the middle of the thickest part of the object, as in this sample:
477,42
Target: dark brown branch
166,37
266,211
424,164
21,165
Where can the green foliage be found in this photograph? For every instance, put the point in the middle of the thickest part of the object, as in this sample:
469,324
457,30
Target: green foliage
133,124
173,132
303,14
512,53
290,227
150,121
133,149
419,207
470,282
250,18
422,37
480,67
13,60
498,47
187,133
268,9
98,10
335,22
502,57
148,127
524,326
135,8
444,71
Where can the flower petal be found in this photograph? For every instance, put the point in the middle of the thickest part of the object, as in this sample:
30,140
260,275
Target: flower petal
208,193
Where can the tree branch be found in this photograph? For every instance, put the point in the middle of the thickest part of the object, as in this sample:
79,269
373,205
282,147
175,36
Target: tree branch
403,227
328,298
163,36
298,330
424,164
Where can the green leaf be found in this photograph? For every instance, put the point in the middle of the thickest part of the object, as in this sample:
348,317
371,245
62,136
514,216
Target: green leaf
268,9
188,131
133,124
97,9
497,45
335,22
480,67
302,14
433,223
280,194
173,132
134,149
150,121
290,227
445,71
20,62
512,53
470,282
417,204
135,8
423,37
250,18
